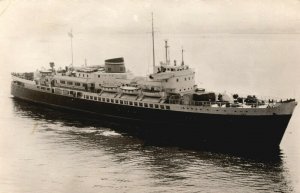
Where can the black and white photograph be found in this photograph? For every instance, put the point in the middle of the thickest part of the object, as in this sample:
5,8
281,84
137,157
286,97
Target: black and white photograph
149,96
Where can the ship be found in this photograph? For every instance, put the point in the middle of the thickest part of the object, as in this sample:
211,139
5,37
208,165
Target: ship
167,101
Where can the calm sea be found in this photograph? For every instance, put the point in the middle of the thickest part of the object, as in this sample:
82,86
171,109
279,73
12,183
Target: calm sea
47,150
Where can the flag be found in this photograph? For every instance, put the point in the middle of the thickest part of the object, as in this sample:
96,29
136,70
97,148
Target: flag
70,34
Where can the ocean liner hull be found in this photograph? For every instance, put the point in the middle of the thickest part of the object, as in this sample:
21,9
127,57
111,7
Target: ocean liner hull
191,129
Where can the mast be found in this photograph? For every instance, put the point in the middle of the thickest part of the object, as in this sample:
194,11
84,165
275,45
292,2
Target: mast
166,47
182,61
71,36
153,49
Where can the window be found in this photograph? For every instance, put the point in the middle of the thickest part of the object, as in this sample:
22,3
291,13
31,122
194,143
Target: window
43,88
62,82
107,100
112,100
48,88
145,105
156,106
91,97
130,103
135,104
71,92
126,102
168,107
117,101
77,84
177,80
103,99
121,102
70,83
95,98
141,104
162,106
98,76
99,99
151,105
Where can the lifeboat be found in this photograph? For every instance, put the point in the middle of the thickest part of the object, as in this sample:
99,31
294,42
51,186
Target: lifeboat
130,90
110,88
152,93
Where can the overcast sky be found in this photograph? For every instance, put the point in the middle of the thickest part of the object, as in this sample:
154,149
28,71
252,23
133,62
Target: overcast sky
33,17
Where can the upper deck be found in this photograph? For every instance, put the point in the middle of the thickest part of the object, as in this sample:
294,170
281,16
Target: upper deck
163,102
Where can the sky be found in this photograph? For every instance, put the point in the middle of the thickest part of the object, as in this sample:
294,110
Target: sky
33,17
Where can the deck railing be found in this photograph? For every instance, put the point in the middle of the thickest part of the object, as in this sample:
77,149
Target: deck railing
220,104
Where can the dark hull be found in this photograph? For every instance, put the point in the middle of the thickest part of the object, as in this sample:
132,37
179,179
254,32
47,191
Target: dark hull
188,129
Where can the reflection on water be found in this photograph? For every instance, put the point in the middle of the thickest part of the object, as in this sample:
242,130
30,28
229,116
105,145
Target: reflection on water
71,152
